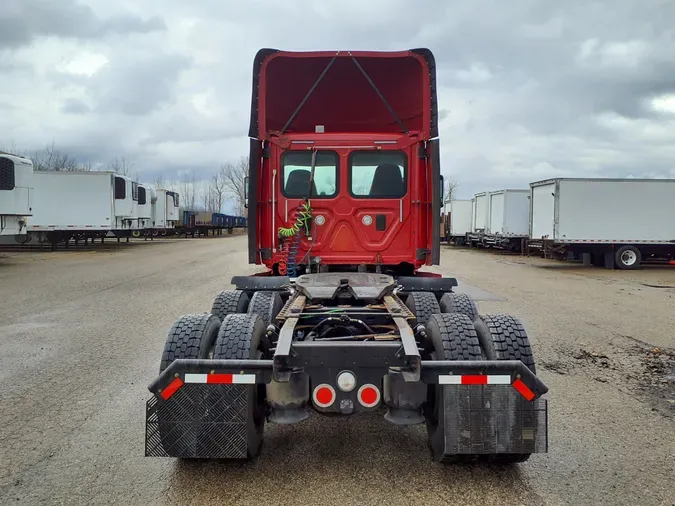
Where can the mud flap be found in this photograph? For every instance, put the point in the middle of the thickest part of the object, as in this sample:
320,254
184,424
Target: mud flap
492,419
199,421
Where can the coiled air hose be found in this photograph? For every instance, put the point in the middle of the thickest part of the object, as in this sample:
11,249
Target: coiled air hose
291,244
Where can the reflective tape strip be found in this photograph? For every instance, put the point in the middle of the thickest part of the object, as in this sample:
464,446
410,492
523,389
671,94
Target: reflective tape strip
474,379
221,379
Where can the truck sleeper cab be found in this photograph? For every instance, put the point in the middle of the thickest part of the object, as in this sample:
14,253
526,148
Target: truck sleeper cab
370,204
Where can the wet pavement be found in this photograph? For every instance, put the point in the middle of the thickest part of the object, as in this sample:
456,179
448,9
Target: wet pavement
81,334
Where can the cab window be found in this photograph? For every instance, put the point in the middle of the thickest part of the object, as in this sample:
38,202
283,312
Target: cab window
295,170
378,174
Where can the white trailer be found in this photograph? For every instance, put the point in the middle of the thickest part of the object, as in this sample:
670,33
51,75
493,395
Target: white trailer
16,197
508,219
164,211
461,217
611,222
80,205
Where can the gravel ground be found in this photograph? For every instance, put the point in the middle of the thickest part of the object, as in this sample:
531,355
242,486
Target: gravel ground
81,335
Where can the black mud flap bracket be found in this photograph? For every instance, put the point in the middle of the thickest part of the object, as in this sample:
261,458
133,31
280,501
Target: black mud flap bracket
201,408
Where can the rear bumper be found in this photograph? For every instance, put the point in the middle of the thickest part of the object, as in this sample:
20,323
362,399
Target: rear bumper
200,408
442,372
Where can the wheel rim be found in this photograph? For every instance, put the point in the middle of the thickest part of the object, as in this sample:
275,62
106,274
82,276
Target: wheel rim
628,258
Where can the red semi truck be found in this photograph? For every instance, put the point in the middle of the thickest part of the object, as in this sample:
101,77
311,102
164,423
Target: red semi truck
344,201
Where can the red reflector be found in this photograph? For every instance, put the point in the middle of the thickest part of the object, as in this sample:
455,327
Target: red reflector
369,396
171,388
324,396
672,262
474,379
523,389
221,379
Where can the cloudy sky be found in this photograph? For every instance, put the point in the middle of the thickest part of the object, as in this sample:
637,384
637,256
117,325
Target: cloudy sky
528,89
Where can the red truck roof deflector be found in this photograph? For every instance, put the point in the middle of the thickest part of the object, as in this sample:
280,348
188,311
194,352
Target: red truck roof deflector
360,91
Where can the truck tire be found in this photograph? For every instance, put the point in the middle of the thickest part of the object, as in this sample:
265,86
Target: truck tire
458,303
422,305
451,336
503,337
242,337
267,304
191,336
627,257
229,302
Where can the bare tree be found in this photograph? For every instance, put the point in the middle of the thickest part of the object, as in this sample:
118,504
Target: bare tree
450,189
160,181
233,175
188,192
53,160
120,166
218,190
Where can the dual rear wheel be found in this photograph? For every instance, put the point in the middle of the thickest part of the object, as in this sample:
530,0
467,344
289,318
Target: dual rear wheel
456,331
235,329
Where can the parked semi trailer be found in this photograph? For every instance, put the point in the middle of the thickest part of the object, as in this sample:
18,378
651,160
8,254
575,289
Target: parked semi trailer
16,197
81,205
508,219
164,212
608,222
342,319
461,219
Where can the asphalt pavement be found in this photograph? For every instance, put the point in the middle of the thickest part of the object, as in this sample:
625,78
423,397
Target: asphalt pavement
81,335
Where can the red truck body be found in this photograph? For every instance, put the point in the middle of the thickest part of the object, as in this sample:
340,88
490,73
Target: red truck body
372,118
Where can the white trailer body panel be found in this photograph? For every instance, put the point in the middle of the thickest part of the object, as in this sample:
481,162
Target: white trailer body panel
144,207
481,211
509,213
496,220
172,208
542,210
461,214
159,210
78,201
16,194
620,211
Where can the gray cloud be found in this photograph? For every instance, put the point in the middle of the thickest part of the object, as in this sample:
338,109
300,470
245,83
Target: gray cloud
527,89
22,21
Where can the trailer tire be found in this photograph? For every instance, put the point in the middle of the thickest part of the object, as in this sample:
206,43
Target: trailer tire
451,336
267,304
452,302
503,337
191,336
627,257
422,305
242,337
230,302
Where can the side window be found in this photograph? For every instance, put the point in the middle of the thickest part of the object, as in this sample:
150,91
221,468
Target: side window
141,196
296,168
120,188
378,174
7,178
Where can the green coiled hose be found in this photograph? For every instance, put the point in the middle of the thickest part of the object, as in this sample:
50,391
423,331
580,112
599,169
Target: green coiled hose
302,216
